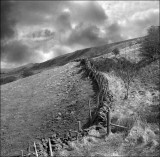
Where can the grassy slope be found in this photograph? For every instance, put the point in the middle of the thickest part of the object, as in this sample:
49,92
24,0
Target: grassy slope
30,108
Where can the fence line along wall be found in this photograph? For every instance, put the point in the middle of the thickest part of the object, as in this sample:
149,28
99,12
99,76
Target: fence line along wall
100,87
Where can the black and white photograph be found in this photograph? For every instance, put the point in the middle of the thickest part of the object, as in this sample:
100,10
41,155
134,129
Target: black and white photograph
80,78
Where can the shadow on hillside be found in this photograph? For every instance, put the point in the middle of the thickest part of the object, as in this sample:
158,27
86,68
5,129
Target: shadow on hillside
27,73
7,80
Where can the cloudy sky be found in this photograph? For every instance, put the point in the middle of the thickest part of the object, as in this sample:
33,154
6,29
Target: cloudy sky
35,31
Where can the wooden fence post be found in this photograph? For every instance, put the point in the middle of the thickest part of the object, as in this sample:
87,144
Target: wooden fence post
77,136
35,149
108,122
79,129
90,113
22,152
70,134
29,150
50,147
79,126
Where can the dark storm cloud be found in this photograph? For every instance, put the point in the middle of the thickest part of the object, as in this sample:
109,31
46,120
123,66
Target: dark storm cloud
113,33
42,12
54,14
7,21
17,52
38,12
63,22
86,35
90,35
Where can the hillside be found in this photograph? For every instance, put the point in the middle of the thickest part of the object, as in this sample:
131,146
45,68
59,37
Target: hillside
57,97
10,75
30,106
